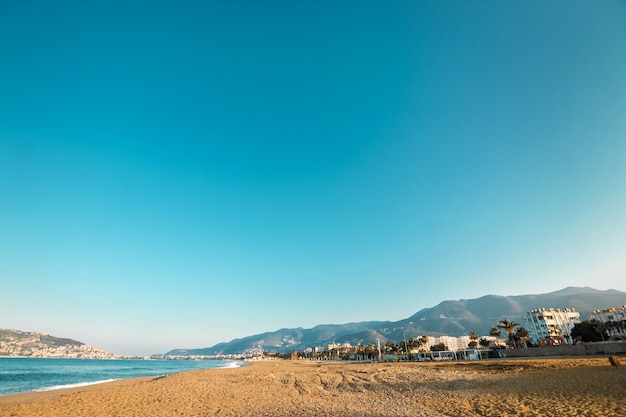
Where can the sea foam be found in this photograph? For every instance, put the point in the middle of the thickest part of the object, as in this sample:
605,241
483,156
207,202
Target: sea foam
79,384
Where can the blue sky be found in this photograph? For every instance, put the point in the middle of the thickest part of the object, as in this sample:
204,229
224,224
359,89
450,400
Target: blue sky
178,174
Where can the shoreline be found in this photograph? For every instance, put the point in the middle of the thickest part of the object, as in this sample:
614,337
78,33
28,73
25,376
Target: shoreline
76,378
491,387
35,396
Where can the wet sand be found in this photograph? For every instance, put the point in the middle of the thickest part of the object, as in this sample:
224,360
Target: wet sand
511,387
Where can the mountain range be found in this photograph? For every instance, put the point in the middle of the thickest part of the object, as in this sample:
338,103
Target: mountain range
452,318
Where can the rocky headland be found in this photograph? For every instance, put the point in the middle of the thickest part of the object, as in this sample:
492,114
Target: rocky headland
41,345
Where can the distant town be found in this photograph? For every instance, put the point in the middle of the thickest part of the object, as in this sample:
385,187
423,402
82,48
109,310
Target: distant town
42,345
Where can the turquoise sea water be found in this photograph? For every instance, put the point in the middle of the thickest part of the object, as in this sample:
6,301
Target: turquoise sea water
19,375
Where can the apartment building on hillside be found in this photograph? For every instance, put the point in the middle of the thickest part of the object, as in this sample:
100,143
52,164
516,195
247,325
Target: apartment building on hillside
549,326
614,317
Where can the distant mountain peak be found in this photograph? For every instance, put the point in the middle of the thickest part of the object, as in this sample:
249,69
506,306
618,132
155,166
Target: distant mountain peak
581,290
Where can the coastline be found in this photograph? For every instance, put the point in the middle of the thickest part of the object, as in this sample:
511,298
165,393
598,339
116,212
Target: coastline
498,387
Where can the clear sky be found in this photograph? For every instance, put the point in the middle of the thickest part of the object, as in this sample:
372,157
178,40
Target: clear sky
178,174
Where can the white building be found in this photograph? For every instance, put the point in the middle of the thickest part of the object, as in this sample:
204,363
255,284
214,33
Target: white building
455,343
551,326
613,316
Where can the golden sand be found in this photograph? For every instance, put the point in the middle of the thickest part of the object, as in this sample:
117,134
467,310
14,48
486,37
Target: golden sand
512,387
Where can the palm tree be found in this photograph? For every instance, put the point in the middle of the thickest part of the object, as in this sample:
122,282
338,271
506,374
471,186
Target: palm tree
422,341
522,334
473,339
509,326
494,332
484,342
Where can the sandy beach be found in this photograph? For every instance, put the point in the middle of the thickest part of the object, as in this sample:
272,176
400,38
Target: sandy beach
512,387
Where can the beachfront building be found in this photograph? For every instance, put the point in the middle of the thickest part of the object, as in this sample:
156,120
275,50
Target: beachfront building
551,326
451,342
456,343
614,319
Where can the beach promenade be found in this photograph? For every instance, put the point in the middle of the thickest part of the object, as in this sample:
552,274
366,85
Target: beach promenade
512,387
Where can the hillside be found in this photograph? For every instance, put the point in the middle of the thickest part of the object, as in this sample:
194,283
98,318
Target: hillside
42,345
453,318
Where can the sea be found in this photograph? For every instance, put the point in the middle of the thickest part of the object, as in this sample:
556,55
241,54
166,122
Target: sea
19,375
